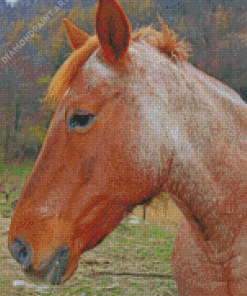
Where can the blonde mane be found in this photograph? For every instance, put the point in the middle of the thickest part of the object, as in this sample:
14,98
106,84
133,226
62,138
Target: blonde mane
165,41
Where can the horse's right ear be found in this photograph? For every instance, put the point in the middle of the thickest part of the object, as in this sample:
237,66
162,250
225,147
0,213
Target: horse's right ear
76,37
113,29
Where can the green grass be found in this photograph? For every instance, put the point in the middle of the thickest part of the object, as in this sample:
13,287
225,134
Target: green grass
3,168
6,209
17,170
12,180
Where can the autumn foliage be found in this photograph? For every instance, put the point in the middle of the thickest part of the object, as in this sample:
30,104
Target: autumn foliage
217,34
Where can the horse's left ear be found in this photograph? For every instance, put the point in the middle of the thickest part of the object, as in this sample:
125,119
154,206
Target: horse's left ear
113,29
76,37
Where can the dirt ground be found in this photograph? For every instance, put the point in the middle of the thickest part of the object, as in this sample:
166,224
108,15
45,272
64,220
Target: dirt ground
130,262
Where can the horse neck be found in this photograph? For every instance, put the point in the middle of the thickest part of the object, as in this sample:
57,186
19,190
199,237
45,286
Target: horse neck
208,176
202,123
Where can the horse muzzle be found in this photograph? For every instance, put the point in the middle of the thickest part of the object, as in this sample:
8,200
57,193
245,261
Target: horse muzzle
51,270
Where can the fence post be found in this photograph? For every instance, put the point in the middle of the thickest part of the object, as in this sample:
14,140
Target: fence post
144,213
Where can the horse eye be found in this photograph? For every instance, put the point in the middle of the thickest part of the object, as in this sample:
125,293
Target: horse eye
80,120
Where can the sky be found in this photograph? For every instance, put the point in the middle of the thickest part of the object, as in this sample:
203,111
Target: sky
11,1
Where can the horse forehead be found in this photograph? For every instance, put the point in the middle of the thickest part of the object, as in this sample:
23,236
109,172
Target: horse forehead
94,71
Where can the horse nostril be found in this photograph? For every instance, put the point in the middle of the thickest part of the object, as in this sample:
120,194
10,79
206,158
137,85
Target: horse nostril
21,253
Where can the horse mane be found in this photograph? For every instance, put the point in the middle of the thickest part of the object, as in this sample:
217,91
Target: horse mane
165,41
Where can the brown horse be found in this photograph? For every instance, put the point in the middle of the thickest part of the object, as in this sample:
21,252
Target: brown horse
134,118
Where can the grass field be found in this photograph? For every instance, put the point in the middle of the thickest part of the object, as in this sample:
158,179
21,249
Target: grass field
133,260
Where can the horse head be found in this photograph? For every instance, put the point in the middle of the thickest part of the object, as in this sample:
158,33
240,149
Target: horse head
104,152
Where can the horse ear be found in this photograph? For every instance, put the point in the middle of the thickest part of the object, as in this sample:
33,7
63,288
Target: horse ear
76,37
113,29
